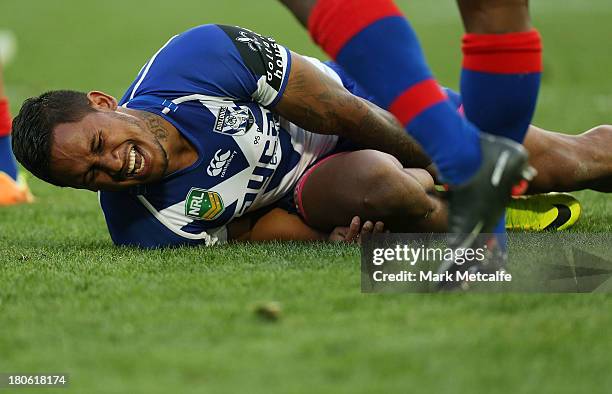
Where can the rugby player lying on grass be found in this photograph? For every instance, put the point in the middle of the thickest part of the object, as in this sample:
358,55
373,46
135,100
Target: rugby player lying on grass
208,132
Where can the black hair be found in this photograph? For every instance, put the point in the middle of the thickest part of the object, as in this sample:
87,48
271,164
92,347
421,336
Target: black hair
33,128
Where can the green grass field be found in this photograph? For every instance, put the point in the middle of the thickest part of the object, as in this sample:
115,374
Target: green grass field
181,321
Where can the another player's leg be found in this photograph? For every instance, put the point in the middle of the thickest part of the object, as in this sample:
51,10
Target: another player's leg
570,162
501,67
499,85
564,163
374,186
11,190
7,162
376,45
502,64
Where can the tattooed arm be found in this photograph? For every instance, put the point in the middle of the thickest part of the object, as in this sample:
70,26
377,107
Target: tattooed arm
317,103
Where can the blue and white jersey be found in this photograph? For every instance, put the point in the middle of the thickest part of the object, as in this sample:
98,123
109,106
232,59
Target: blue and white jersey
216,84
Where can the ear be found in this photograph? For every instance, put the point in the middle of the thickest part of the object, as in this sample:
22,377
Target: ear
102,101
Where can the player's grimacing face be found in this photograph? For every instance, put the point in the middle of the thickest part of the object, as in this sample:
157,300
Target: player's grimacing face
106,150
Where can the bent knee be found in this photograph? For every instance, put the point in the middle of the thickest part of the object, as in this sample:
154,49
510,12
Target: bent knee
391,192
423,177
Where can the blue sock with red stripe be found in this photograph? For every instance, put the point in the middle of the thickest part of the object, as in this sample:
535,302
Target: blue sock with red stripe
7,160
377,46
500,81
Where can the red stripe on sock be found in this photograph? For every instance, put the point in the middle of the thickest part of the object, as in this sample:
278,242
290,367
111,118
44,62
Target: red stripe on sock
5,118
417,99
513,53
332,23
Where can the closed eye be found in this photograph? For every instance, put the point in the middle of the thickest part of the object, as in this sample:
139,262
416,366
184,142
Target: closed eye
97,146
100,144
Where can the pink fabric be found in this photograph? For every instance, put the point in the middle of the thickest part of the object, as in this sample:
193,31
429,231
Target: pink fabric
297,193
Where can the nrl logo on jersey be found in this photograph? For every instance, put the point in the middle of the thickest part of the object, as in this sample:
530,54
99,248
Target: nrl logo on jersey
203,204
234,121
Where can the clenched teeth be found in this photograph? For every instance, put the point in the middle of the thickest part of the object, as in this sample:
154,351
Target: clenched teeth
141,166
132,162
132,168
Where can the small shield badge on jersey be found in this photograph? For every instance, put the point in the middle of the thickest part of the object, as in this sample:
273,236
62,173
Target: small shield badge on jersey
234,121
203,204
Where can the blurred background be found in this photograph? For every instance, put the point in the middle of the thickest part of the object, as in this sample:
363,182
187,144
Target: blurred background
102,45
121,320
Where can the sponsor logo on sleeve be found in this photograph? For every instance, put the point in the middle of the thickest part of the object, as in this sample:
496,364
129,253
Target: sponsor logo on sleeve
203,204
261,54
252,42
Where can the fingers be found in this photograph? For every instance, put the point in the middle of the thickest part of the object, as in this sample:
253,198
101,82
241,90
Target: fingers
372,228
354,228
356,231
367,228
